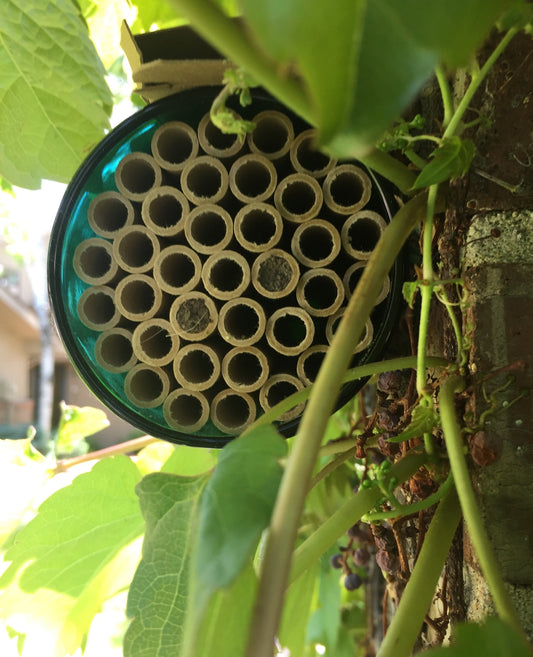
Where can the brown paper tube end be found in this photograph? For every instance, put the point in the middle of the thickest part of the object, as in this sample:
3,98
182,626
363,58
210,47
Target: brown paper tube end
109,212
186,410
164,211
177,269
196,366
245,369
146,386
97,309
298,197
320,292
316,243
136,175
226,275
278,388
252,178
135,249
209,228
138,297
154,342
94,262
174,144
114,352
232,411
241,321
290,331
204,180
258,227
347,189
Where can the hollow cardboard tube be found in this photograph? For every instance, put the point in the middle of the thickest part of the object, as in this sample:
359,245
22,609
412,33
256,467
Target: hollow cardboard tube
209,228
309,363
135,249
109,212
252,178
146,386
94,262
272,135
298,197
97,309
306,159
196,366
360,233
365,340
193,316
136,174
204,180
290,331
138,297
174,144
351,279
154,342
347,189
177,269
226,275
186,410
276,389
245,369
215,142
320,292
241,321
275,273
258,227
232,411
164,210
316,243
113,350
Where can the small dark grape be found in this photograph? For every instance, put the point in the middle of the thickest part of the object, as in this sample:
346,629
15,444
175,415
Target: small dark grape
388,561
336,561
360,532
361,556
352,581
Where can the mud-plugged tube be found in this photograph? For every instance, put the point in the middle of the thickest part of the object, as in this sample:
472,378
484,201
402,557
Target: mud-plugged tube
275,273
193,316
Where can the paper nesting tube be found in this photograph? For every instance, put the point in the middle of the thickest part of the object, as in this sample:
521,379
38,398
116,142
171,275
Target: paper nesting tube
154,342
241,321
135,249
306,159
245,369
366,338
94,262
272,135
298,197
360,233
352,276
173,145
146,386
97,309
215,142
232,411
193,316
186,410
226,275
138,297
109,212
164,210
177,269
320,292
258,227
309,363
252,178
277,388
275,273
347,189
196,366
113,350
316,243
209,228
136,174
204,180
289,331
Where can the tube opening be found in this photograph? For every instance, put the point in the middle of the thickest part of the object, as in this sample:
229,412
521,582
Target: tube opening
136,297
243,369
241,321
95,261
174,143
97,307
145,386
226,275
186,410
298,197
346,189
352,277
306,158
114,351
165,211
364,234
204,180
290,330
137,176
320,292
208,228
218,140
279,391
177,269
316,243
156,342
196,367
310,364
108,213
258,226
232,411
253,178
272,134
135,249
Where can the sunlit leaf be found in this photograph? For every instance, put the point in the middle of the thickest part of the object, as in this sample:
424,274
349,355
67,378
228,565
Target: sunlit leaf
76,423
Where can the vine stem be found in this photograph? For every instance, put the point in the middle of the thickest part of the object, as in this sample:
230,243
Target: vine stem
446,96
127,447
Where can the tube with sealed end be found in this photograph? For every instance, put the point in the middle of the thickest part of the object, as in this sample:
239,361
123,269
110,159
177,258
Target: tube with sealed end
309,363
209,228
186,410
333,323
204,180
272,135
241,321
174,144
177,269
306,159
154,342
290,331
226,275
136,174
232,411
258,227
245,369
109,212
113,350
94,262
361,232
164,210
316,243
146,386
138,297
196,366
193,316
347,189
277,388
97,309
252,178
135,249
275,273
298,197
320,292
215,142
352,276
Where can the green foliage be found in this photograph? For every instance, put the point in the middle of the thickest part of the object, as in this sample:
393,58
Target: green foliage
451,160
75,424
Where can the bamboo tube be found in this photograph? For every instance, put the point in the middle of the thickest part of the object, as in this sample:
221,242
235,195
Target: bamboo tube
154,342
316,243
298,197
135,249
245,369
275,273
177,269
320,292
186,410
309,363
306,159
366,338
241,321
173,145
193,316
276,389
97,309
164,210
252,178
109,212
272,135
360,233
232,411
215,142
146,386
204,180
351,279
226,275
136,174
209,228
258,227
196,366
114,352
138,297
347,189
94,263
290,331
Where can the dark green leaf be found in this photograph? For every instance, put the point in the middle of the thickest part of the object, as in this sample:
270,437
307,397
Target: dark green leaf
451,160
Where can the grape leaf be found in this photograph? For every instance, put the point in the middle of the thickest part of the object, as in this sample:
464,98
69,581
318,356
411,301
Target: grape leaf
451,160
76,423
296,610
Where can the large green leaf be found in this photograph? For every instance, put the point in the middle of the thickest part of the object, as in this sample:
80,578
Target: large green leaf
296,612
54,101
